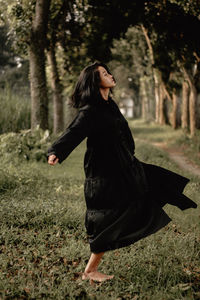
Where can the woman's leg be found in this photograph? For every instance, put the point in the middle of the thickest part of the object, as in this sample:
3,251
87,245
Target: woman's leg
91,269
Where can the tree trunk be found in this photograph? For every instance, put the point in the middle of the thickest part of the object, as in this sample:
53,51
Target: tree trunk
157,96
185,105
192,101
192,109
174,110
156,76
58,118
161,107
164,97
39,98
144,97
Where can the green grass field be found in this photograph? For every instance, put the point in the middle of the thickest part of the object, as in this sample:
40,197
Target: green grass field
43,244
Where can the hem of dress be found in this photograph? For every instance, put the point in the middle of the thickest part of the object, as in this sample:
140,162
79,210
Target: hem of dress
118,245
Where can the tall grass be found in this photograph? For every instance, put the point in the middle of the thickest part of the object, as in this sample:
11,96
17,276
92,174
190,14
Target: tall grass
14,111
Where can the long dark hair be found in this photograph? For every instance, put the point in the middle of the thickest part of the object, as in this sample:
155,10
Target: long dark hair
87,86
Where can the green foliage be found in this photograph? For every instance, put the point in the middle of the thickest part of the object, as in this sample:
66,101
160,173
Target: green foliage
110,22
13,69
131,57
191,7
173,26
25,145
20,16
83,31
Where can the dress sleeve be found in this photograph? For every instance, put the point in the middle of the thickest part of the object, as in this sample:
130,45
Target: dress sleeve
75,133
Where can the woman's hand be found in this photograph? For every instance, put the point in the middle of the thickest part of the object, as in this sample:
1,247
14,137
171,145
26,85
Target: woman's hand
52,160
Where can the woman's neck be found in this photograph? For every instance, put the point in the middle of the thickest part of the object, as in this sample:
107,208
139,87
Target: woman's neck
104,93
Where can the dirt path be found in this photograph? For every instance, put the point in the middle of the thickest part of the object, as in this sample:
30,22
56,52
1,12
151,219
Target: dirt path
181,160
178,157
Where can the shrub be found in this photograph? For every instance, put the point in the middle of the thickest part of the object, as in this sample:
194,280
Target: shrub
26,145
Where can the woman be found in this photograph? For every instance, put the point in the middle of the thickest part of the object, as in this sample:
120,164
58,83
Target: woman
124,197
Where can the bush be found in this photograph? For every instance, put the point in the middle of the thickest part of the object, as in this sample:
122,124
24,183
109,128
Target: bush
26,145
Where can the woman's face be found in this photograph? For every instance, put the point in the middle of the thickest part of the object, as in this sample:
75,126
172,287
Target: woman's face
106,79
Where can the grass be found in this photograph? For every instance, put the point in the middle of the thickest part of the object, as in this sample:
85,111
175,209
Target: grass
180,139
151,131
43,245
15,111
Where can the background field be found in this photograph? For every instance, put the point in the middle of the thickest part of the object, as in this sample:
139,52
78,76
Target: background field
43,244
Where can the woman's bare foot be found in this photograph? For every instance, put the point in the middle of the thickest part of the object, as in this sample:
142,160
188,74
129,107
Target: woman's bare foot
96,276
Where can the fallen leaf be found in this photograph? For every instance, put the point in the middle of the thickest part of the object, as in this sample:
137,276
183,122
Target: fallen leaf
187,271
27,290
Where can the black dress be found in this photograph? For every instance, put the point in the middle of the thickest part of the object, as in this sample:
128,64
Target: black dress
124,197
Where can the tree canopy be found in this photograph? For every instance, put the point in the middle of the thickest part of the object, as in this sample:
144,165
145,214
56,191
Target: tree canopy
156,40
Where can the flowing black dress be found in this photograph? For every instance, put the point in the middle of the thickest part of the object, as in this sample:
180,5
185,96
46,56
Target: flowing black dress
124,197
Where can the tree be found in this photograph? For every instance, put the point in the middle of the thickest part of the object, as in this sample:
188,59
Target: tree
28,26
170,34
57,14
185,105
66,41
190,76
108,22
85,31
39,111
131,63
156,75
37,27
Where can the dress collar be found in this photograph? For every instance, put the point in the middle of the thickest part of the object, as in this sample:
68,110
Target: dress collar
106,102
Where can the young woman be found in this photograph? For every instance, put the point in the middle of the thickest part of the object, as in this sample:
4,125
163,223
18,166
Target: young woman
124,197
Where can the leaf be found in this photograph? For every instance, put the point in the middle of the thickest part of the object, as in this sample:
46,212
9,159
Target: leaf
27,290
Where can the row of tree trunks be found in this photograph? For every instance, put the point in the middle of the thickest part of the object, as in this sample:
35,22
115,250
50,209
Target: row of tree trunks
189,96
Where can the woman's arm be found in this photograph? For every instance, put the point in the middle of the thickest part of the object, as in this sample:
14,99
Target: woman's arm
75,133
